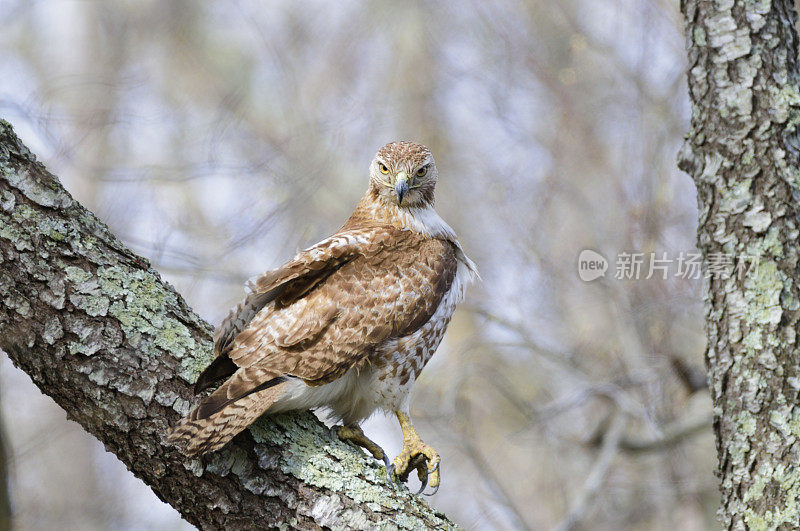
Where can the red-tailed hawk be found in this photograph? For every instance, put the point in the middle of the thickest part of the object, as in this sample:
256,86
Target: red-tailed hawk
347,324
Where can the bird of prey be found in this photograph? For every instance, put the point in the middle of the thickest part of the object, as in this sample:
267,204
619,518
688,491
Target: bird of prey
347,324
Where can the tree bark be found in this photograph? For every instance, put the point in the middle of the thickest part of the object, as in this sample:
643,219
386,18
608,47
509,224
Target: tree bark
96,328
742,153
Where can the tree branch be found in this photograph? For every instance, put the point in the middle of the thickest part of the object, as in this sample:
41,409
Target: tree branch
673,435
99,331
594,481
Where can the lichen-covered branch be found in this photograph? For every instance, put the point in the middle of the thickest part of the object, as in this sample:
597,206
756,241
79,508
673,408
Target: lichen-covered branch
96,328
742,153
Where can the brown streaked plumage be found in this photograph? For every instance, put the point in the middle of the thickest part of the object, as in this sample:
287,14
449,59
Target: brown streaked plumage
347,324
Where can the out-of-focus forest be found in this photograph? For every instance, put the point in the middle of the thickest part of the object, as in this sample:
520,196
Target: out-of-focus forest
217,138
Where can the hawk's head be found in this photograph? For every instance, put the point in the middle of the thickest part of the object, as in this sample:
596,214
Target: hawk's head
404,173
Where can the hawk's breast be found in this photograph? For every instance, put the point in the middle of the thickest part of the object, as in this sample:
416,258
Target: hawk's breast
398,361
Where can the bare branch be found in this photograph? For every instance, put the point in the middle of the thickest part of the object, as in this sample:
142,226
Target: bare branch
673,434
583,501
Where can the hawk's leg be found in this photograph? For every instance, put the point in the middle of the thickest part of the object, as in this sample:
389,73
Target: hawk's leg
416,455
355,435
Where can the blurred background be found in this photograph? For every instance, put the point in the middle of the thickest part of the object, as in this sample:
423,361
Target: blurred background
217,138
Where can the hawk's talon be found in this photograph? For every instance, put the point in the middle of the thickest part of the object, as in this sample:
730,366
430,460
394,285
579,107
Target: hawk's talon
416,455
424,484
389,468
435,490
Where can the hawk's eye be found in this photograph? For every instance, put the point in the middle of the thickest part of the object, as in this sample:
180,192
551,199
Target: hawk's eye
422,171
383,168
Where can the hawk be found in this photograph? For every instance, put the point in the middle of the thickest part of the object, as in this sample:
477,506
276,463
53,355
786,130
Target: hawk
347,324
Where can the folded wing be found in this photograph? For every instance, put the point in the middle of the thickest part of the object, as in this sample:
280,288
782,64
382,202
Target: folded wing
315,318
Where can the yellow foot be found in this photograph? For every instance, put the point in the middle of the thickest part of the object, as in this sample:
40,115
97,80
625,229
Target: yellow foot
355,435
415,455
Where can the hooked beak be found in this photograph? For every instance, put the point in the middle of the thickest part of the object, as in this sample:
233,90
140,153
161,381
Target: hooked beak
401,186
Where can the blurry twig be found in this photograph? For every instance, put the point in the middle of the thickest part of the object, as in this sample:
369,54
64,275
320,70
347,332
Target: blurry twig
520,331
488,471
673,434
583,502
581,391
693,379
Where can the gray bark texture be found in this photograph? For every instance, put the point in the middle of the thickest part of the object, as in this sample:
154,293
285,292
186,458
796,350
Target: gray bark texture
96,329
742,153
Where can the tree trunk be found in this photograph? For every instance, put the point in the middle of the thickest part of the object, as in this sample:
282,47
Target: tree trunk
97,330
742,153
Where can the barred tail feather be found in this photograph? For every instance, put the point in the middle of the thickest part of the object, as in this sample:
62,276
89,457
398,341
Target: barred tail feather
197,436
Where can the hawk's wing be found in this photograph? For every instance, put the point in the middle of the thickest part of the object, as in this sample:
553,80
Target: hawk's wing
320,314
337,306
296,277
